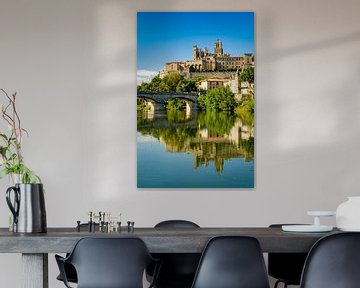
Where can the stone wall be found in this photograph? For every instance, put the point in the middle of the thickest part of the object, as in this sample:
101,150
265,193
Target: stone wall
223,74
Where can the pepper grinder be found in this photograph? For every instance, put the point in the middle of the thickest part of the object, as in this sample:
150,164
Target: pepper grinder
78,226
90,221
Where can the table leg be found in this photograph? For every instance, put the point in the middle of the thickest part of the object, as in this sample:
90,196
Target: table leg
35,270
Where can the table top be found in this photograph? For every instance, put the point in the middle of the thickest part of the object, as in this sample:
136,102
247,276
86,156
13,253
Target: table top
158,240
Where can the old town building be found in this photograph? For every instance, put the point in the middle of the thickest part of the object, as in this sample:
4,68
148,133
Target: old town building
204,61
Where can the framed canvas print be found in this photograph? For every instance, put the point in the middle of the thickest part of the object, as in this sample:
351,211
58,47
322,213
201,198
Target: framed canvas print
195,99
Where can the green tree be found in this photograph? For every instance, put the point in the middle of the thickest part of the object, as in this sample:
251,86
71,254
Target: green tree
246,110
155,83
186,86
162,87
247,75
172,80
202,101
218,99
143,87
174,104
168,84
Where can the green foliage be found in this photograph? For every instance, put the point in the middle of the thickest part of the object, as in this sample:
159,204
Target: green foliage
26,175
186,86
246,110
177,139
181,134
247,75
12,161
218,123
174,104
155,85
247,148
218,99
141,105
174,82
202,101
176,116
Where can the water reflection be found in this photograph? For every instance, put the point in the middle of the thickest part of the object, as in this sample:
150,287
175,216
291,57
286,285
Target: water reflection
208,136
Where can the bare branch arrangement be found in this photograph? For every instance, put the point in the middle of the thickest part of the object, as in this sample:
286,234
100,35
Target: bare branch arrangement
12,160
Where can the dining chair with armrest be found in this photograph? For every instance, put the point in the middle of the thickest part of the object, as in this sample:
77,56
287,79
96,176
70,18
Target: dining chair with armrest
70,271
232,262
333,262
108,263
178,269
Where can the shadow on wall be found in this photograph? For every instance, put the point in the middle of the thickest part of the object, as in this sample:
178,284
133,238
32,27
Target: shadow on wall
306,106
309,47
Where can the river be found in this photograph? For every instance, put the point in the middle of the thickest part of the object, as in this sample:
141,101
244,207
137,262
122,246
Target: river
176,149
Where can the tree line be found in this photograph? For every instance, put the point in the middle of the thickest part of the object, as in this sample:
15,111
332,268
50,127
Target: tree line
220,99
173,82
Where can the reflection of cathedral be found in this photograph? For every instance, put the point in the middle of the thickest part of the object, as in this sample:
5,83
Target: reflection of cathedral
203,61
209,138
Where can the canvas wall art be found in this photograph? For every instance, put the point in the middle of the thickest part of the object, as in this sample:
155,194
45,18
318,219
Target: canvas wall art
195,100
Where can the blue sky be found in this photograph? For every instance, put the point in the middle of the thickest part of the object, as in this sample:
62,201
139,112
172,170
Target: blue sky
169,36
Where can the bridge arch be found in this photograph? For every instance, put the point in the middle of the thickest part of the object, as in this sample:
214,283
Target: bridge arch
154,106
190,105
158,99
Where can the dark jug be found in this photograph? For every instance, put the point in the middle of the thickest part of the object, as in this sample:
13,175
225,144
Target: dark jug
28,208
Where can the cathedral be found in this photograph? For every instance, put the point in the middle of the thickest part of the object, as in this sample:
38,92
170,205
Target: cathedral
205,61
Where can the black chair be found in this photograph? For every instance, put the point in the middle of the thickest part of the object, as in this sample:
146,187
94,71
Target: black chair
333,262
178,269
69,269
108,263
286,267
232,262
176,224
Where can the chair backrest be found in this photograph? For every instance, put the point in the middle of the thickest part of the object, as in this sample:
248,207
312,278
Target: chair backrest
333,262
232,262
176,224
286,267
110,262
178,269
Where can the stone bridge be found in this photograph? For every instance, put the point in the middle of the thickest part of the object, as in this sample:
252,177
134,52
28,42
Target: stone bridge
156,100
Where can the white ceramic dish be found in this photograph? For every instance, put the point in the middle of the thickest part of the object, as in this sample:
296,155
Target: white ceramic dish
306,228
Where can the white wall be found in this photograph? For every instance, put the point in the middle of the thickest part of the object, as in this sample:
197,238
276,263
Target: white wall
73,64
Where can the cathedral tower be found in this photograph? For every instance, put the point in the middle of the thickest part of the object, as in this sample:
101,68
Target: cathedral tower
195,52
218,50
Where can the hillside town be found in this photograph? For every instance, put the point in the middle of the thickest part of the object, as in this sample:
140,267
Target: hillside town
213,70
216,81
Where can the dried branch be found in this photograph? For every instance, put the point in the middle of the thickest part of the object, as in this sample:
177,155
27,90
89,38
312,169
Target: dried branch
11,156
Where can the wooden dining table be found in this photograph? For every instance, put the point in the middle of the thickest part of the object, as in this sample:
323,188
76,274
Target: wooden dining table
35,247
